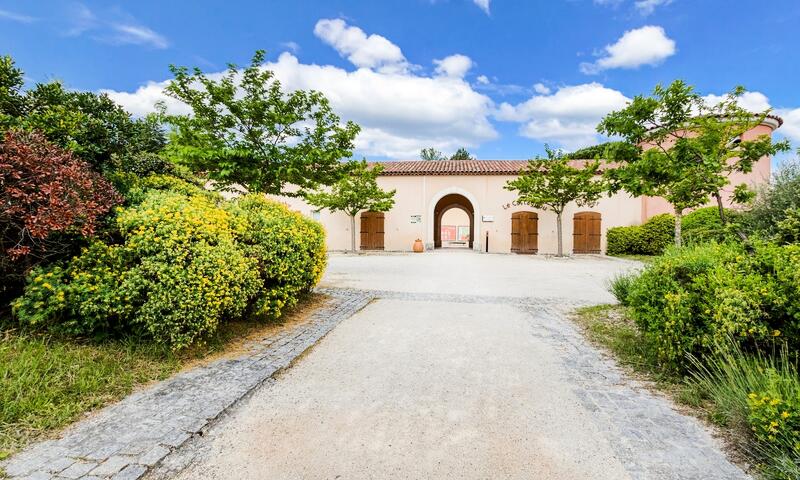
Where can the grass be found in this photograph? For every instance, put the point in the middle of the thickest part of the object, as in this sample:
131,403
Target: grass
639,258
48,382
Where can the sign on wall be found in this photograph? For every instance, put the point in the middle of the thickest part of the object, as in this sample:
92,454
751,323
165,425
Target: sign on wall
416,218
488,218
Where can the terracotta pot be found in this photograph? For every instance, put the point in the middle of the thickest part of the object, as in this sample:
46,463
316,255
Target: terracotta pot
418,246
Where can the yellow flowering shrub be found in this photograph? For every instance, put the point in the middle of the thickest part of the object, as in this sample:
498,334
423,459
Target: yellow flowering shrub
185,263
774,414
696,297
288,247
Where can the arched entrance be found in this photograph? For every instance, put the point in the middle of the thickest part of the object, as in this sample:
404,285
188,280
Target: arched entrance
448,202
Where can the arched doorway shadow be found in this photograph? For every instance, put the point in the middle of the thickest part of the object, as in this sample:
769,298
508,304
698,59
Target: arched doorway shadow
448,202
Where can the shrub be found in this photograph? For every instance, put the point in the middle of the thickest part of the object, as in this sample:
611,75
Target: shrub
775,200
649,238
177,275
692,298
788,229
48,197
289,249
705,225
620,286
186,262
758,396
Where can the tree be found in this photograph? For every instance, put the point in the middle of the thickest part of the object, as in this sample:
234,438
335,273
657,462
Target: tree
245,130
90,125
431,154
461,154
677,146
48,197
552,183
355,192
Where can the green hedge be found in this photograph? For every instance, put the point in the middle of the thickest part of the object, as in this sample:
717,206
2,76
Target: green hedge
187,261
648,239
704,225
693,298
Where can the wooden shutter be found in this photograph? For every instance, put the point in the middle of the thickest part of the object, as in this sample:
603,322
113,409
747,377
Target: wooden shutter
586,232
532,243
365,226
515,234
377,231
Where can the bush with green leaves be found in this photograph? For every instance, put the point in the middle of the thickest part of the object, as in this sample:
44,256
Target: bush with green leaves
773,201
178,274
694,297
288,248
649,238
705,225
620,286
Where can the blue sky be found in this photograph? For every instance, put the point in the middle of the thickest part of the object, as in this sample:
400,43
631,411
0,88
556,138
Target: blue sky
501,77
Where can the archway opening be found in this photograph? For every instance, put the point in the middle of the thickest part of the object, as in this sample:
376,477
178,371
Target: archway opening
446,204
455,228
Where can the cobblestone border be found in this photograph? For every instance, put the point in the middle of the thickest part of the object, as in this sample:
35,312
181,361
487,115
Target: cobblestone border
126,439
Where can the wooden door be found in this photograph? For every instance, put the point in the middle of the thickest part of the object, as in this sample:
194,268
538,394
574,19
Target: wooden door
525,232
372,230
586,232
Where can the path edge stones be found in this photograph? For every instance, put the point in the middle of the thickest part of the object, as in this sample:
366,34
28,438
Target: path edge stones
126,440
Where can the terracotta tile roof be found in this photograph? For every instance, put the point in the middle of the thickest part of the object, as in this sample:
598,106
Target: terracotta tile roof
456,167
452,167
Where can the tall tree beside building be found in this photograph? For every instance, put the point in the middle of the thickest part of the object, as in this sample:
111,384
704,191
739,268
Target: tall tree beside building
552,183
246,130
431,154
461,154
680,147
355,192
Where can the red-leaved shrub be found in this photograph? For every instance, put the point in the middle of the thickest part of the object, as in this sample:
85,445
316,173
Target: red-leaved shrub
48,196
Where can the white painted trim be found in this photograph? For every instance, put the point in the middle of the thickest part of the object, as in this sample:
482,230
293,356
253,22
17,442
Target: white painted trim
478,230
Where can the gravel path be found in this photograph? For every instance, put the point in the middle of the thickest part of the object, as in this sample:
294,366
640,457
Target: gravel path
463,367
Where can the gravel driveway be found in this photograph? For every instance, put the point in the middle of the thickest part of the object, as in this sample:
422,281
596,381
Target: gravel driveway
463,367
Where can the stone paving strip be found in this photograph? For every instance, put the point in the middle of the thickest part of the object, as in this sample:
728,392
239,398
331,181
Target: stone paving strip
124,440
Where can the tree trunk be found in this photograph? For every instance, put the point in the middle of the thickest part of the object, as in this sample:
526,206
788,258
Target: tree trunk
560,240
678,217
353,233
721,208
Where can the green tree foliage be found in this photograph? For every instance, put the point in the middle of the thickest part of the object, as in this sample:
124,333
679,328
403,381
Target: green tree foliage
246,130
774,200
552,183
354,193
684,149
92,126
462,154
431,154
598,152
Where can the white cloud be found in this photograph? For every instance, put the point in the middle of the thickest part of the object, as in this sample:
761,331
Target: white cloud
16,17
399,112
453,66
647,7
791,123
648,45
753,101
373,51
483,80
541,89
137,35
758,102
483,4
293,47
123,31
568,117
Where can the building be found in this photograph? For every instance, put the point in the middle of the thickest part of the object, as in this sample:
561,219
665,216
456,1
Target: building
428,192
